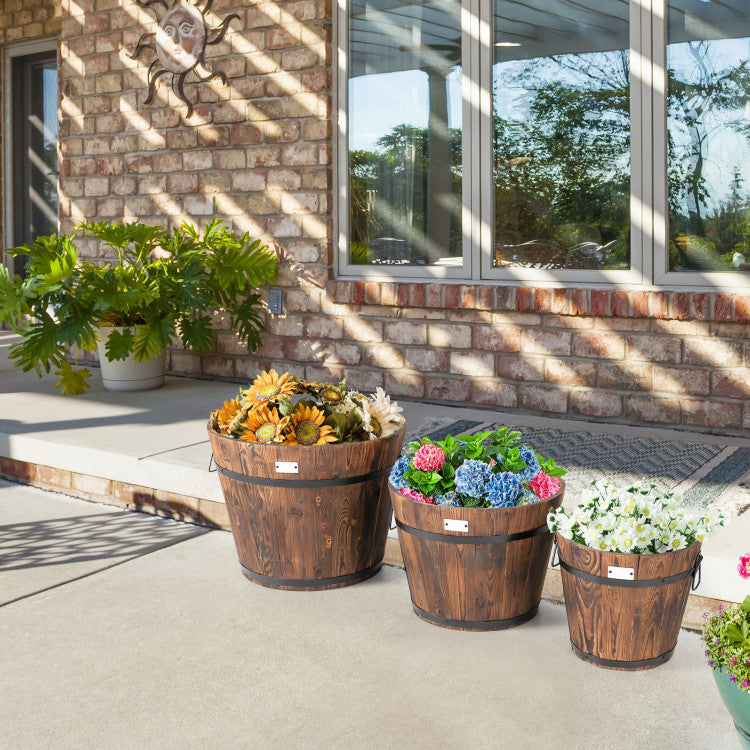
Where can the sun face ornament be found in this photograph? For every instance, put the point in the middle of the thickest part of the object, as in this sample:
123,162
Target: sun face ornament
180,43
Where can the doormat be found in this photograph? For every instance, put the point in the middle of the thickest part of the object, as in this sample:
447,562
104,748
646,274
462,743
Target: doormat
705,475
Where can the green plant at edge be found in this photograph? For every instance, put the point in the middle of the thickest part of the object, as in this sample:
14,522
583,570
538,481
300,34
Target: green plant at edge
161,285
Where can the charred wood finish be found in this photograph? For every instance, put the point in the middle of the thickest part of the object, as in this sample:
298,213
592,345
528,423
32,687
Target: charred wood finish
625,627
306,538
479,580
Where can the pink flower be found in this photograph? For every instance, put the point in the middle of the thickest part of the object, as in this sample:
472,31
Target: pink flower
429,458
418,497
743,567
545,486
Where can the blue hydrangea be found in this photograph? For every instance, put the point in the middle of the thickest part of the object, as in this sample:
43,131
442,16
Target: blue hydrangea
504,490
449,498
532,465
528,497
472,478
397,473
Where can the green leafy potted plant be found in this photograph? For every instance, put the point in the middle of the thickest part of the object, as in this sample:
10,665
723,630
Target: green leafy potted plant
304,469
159,285
628,557
471,513
726,635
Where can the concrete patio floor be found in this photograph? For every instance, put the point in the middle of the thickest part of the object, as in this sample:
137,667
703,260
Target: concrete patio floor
122,630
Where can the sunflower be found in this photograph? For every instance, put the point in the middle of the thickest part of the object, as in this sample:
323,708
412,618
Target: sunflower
331,394
307,428
223,418
267,388
264,426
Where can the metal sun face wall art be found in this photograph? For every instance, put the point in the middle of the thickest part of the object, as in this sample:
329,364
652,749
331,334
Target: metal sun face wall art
180,43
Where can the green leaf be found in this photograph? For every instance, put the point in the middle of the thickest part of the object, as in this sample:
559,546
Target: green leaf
119,344
72,382
197,333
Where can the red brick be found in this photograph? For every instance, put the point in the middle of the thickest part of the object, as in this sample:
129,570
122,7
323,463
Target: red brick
579,302
571,372
542,300
654,348
426,360
620,304
417,295
402,295
15,469
658,304
542,398
405,333
383,355
452,336
711,413
387,294
505,298
523,299
497,339
599,303
451,296
628,376
711,351
51,477
742,308
372,292
448,389
699,306
404,384
559,304
516,368
723,308
732,383
679,304
495,394
472,364
653,409
88,485
556,343
358,293
596,403
433,295
687,380
640,304
598,345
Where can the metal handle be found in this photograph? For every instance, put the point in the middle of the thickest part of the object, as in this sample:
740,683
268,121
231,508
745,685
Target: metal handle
212,463
696,573
555,554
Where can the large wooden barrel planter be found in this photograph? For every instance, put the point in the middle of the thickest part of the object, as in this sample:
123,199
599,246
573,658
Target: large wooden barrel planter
625,611
474,568
306,518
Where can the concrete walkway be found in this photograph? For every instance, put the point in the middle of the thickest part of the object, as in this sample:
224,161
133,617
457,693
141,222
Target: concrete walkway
121,630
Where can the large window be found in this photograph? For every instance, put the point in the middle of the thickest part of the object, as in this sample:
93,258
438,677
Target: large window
577,140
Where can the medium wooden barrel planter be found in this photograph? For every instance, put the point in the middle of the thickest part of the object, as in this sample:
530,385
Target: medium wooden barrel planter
474,568
625,611
307,518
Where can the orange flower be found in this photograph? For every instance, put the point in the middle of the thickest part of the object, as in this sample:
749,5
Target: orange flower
307,428
223,418
267,388
264,426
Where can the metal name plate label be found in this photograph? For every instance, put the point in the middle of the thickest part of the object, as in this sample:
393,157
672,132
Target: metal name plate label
452,524
287,467
624,574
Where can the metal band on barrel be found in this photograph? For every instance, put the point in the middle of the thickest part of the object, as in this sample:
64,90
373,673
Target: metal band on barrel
337,482
303,583
494,539
644,583
476,624
621,664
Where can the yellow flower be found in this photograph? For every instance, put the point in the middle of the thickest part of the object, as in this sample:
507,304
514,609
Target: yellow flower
264,426
331,394
307,428
224,417
267,388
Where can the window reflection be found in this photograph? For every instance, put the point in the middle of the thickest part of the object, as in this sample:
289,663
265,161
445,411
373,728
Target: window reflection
405,133
708,64
561,116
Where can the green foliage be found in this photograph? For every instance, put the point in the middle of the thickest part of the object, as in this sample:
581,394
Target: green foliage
726,636
159,286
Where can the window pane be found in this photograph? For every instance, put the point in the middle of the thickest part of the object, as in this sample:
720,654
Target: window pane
708,61
405,167
561,115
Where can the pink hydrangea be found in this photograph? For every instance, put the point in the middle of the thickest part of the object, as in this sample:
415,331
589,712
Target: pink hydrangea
744,565
545,486
429,458
418,497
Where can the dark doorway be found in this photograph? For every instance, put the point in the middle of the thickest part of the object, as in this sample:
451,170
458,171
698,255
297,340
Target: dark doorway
34,103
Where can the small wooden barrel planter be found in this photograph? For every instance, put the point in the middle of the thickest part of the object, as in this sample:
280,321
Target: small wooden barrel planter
307,518
625,611
474,568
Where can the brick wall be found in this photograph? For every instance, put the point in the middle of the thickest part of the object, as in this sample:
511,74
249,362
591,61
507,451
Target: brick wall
258,152
25,20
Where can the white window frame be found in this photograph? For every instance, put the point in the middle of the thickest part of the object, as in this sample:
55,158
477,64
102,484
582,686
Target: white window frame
9,52
648,204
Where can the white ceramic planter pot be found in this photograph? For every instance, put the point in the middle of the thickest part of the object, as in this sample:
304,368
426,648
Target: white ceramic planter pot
129,374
